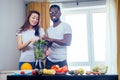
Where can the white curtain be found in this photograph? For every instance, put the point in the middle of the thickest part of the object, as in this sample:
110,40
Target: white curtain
112,39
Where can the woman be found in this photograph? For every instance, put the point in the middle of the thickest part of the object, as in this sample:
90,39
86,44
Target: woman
27,35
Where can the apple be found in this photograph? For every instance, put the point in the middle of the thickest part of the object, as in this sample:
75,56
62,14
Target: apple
95,68
81,71
22,72
34,72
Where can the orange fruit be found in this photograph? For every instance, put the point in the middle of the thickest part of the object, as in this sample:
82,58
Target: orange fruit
26,66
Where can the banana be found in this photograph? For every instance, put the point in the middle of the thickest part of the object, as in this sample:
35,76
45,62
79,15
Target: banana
49,71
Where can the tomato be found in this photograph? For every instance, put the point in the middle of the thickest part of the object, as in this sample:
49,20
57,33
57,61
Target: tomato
33,72
58,70
55,67
22,72
64,68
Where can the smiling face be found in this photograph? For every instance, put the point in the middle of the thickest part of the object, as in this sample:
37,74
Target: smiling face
55,14
34,18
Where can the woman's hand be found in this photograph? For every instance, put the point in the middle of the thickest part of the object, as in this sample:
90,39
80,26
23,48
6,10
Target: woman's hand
33,40
22,45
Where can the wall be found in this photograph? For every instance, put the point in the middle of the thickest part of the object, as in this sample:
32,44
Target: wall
12,13
84,3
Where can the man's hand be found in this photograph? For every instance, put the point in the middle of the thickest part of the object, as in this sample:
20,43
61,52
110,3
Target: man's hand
47,39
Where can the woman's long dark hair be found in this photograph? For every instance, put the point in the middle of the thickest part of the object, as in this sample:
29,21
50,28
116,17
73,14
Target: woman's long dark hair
27,23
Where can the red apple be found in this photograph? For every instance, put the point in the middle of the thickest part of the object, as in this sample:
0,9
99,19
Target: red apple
34,72
22,72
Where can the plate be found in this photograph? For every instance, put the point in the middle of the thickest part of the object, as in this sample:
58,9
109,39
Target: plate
27,72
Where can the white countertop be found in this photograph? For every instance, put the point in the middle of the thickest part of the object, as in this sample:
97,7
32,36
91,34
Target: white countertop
3,74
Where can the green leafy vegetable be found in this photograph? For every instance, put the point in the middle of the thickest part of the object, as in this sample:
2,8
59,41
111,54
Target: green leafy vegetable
40,47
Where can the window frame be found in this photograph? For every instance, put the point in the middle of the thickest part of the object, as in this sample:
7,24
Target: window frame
88,11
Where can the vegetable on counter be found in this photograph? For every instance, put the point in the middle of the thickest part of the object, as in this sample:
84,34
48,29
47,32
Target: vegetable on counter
49,71
58,69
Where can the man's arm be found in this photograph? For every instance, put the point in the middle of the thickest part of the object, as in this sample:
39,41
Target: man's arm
66,41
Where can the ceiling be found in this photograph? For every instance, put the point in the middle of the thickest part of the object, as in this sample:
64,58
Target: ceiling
62,1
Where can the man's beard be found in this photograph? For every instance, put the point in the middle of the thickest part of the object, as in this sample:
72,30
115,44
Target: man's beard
55,20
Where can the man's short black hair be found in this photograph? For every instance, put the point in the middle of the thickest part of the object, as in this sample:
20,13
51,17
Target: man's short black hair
55,6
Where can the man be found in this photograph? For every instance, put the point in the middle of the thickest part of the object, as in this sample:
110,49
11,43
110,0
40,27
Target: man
60,35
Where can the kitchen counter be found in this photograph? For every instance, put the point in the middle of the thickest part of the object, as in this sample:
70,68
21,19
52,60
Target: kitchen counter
62,77
3,74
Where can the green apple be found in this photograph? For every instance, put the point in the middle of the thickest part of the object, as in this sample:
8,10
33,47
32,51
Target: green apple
81,71
95,69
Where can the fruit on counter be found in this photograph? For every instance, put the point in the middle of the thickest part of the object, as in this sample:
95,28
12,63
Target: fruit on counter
101,68
81,71
40,72
96,73
34,72
76,71
106,69
95,69
88,72
49,71
26,66
37,72
22,72
58,69
64,69
71,71
55,67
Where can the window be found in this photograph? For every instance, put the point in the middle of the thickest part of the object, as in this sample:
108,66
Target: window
94,34
88,45
99,36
